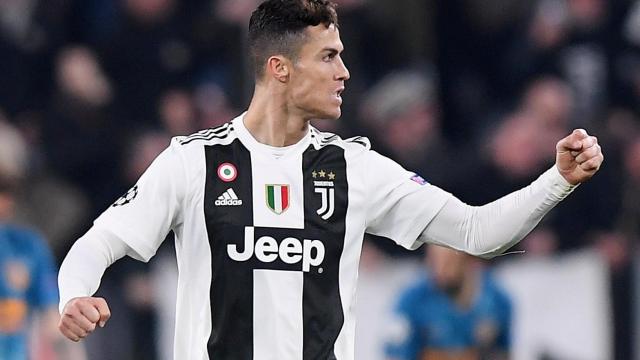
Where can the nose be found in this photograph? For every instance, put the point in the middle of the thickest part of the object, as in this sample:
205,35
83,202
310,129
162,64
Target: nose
343,73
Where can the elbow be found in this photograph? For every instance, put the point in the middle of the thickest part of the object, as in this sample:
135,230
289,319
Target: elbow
490,243
486,254
485,249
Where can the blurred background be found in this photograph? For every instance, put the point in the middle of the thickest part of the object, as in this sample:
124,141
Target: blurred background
470,94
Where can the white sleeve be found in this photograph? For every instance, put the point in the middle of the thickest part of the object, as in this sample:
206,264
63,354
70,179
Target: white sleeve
143,216
84,265
491,229
401,203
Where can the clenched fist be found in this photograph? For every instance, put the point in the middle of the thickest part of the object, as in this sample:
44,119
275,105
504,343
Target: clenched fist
578,156
81,315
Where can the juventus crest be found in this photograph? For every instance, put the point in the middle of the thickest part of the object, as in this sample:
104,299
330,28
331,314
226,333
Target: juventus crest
327,192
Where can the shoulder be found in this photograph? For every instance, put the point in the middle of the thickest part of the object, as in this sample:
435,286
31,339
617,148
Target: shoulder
357,144
219,135
189,149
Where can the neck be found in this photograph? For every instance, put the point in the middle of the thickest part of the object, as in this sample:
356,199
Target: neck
271,121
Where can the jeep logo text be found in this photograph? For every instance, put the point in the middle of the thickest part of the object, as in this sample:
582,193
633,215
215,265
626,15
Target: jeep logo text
290,250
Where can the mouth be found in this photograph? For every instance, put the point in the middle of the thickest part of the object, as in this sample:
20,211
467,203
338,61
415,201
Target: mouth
338,94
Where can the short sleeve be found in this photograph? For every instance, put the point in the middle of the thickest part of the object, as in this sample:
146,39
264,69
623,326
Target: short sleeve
143,216
401,203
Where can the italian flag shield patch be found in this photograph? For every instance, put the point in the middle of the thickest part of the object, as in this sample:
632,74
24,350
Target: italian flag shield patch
277,197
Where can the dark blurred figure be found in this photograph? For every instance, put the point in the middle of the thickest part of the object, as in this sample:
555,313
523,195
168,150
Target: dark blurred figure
372,28
219,42
575,39
492,50
82,137
626,69
403,115
183,111
178,114
148,52
521,146
212,105
144,147
456,312
471,37
31,31
551,101
619,245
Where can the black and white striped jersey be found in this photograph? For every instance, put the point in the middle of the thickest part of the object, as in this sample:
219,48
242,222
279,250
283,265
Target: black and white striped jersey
268,239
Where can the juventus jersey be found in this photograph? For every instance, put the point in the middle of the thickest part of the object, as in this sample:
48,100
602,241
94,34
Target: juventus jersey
268,239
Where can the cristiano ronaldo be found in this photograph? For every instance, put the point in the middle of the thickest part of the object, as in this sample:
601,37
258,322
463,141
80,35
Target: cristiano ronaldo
269,213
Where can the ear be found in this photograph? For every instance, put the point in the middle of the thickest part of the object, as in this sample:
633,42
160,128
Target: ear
278,67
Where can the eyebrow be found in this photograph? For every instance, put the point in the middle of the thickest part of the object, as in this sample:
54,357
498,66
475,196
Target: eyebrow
331,50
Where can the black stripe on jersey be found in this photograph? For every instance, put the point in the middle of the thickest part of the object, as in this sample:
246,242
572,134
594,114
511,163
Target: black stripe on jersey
322,311
231,281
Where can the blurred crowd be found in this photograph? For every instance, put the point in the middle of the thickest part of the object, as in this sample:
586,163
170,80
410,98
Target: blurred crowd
470,94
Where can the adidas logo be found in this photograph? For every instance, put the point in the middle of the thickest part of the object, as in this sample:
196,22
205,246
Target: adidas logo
228,198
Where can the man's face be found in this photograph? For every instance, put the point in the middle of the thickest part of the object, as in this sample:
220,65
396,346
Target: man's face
318,74
447,267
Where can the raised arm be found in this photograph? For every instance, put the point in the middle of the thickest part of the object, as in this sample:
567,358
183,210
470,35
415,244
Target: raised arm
489,230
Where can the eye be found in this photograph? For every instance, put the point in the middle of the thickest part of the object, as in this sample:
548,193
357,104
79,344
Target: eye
329,57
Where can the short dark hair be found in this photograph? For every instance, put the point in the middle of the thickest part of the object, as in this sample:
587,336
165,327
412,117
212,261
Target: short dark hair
277,27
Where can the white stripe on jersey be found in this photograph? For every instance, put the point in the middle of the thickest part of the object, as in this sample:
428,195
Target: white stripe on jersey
285,173
277,314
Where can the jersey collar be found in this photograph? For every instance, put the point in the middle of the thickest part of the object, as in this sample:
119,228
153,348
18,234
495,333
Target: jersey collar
273,152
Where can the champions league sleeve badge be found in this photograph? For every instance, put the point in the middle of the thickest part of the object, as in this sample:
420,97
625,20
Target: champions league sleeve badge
417,178
127,198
